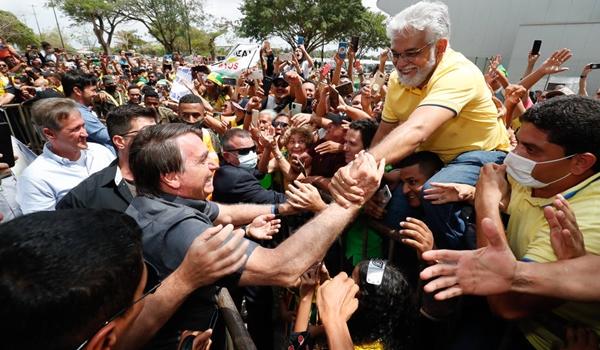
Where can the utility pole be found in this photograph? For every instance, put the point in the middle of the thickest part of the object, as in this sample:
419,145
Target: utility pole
36,21
62,42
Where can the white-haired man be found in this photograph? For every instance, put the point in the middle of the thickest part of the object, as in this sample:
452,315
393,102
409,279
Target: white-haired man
437,101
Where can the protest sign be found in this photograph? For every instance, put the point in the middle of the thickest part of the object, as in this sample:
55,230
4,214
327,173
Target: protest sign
242,56
183,79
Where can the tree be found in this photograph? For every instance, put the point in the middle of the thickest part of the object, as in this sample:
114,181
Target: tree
53,38
16,32
165,20
129,39
371,32
318,21
103,15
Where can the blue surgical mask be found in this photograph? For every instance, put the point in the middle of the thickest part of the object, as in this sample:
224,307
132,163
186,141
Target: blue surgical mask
248,161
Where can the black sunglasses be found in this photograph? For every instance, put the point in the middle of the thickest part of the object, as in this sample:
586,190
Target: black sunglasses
280,124
152,273
243,151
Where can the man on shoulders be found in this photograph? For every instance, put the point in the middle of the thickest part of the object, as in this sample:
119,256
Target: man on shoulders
67,158
437,101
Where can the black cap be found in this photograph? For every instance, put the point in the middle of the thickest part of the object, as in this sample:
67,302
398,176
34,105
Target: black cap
279,78
337,119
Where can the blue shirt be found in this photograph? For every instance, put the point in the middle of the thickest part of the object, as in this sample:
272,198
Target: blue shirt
97,132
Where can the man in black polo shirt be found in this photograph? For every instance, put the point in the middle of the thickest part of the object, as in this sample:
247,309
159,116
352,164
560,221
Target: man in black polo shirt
113,187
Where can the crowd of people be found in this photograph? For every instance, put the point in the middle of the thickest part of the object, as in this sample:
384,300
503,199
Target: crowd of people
436,207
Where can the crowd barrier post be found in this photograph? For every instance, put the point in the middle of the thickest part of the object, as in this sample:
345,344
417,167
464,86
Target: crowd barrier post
233,321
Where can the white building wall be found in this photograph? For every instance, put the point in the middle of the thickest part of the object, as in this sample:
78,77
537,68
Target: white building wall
480,29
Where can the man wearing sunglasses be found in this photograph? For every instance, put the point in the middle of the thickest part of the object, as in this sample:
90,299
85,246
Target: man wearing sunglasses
236,181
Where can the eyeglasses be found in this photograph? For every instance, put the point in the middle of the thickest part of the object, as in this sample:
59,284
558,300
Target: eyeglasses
242,151
410,54
280,84
131,133
124,310
280,124
3,66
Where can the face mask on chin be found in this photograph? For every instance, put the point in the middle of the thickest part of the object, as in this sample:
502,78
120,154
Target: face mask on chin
520,168
248,161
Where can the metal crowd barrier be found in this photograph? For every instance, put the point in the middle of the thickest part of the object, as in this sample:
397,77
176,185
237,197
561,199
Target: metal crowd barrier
18,117
233,321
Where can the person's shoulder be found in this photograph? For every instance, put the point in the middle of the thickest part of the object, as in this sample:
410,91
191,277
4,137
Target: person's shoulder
457,63
38,168
230,173
100,150
228,169
99,178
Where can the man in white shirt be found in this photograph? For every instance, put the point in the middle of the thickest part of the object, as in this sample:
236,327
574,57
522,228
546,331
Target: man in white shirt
67,158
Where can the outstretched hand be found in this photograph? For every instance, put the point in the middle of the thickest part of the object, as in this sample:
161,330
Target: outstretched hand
305,196
554,63
485,271
565,236
263,227
441,193
217,252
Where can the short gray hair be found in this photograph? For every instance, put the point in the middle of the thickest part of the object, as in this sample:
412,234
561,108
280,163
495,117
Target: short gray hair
431,17
269,112
50,112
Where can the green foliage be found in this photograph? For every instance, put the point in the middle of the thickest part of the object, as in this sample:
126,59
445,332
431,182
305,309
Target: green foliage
53,38
371,32
165,20
16,32
318,21
129,40
103,15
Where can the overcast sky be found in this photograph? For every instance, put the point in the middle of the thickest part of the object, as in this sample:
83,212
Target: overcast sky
24,10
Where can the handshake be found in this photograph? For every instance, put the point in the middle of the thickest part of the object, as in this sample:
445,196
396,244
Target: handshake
355,183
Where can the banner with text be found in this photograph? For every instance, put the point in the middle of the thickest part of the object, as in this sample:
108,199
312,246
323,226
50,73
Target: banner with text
243,56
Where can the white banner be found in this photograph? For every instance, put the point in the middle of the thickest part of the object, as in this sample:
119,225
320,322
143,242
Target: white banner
243,56
183,79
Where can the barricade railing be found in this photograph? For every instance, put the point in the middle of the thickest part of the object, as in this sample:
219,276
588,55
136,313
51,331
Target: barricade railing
233,321
18,117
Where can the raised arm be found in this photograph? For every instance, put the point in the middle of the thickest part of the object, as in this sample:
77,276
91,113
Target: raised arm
284,264
550,66
214,254
423,122
583,80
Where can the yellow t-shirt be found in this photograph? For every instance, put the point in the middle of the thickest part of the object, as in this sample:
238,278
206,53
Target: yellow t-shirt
528,235
376,345
456,84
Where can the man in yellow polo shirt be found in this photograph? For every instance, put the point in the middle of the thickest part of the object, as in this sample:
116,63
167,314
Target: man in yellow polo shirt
558,153
437,101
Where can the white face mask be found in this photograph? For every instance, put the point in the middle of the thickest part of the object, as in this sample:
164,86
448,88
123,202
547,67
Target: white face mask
520,168
248,161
